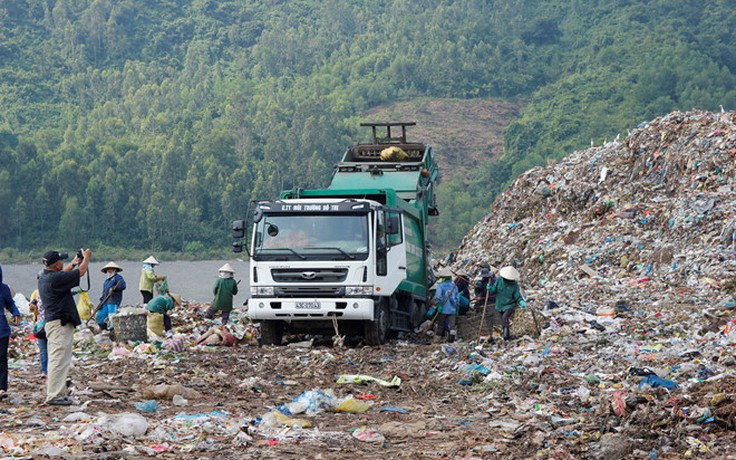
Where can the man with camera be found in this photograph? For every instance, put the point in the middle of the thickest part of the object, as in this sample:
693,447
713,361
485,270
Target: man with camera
55,287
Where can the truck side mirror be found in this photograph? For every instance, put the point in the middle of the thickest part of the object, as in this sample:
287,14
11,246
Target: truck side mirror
239,230
238,246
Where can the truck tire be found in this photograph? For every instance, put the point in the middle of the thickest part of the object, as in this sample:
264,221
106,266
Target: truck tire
272,332
414,314
376,332
421,313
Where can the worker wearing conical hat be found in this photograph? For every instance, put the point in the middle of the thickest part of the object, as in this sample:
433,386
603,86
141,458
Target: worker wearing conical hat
148,279
225,288
159,308
448,303
508,296
112,294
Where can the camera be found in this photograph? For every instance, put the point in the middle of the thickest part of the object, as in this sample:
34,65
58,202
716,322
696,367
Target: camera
80,254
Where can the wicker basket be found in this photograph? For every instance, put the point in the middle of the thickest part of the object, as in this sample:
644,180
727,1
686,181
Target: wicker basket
131,327
526,321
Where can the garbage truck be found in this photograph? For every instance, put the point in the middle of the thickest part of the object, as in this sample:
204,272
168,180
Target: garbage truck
350,259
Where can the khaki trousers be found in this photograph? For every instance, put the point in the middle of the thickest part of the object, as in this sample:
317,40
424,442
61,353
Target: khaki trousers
60,341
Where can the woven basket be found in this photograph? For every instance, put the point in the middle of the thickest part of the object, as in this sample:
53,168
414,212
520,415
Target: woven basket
130,327
524,323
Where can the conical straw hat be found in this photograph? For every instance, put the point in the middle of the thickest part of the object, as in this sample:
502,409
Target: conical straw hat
509,273
111,265
445,272
226,268
151,260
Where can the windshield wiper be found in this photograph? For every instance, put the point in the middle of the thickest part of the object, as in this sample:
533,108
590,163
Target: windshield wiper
284,249
349,256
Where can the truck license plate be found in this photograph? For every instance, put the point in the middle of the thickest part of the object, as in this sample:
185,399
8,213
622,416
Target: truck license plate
307,305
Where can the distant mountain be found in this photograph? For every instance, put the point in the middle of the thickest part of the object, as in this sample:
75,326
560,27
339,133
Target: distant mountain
151,125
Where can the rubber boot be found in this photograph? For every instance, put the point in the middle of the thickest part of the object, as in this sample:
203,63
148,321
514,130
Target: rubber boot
506,334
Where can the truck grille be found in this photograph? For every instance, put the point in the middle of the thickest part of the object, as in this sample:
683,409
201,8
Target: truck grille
309,291
312,275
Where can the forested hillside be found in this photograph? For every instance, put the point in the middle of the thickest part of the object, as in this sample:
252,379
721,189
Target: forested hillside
151,125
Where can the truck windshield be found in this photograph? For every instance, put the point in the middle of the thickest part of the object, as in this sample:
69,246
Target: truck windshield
312,237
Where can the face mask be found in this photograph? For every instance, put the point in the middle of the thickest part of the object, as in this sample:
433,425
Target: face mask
226,275
111,273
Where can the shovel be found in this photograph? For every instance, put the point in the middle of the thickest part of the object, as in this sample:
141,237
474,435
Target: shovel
483,319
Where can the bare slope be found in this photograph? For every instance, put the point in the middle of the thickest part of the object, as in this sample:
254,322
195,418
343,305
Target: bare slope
464,132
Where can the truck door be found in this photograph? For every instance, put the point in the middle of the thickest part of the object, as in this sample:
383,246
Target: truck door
390,250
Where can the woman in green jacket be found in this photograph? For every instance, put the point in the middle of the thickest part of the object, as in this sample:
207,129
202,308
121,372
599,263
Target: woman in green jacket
148,279
225,288
508,296
158,312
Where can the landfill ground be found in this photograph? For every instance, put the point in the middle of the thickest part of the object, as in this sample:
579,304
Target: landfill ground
627,255
562,396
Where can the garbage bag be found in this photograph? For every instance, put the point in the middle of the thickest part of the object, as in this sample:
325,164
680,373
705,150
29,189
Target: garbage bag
155,324
84,306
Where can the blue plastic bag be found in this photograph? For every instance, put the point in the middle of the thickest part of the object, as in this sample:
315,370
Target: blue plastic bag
655,381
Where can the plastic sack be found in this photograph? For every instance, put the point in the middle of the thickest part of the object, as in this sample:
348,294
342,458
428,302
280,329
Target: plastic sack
84,306
147,406
310,402
364,379
655,381
22,303
366,434
352,406
393,153
155,325
128,424
162,287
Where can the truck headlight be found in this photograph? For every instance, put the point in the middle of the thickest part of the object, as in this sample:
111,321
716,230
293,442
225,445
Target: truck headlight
358,290
261,291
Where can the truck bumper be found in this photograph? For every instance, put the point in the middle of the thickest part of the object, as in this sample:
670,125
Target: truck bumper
306,309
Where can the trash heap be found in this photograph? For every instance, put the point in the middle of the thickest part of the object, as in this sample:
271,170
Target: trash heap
656,212
628,254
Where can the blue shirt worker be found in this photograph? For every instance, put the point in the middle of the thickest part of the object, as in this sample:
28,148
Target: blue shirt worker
7,303
462,281
508,296
112,294
448,302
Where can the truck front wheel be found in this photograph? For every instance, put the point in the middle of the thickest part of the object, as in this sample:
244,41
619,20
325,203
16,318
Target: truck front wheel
376,331
272,332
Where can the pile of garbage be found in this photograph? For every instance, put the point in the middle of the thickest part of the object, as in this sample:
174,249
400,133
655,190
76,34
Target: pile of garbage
628,256
651,219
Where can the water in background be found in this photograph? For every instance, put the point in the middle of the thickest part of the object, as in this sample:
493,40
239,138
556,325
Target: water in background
192,280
